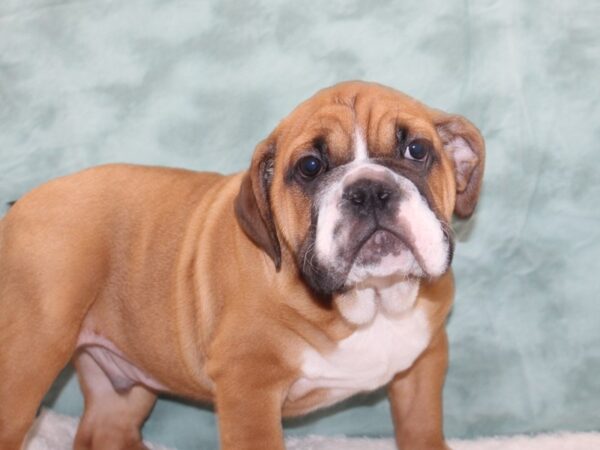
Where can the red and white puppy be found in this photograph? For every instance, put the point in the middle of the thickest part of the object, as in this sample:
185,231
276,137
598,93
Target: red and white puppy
321,272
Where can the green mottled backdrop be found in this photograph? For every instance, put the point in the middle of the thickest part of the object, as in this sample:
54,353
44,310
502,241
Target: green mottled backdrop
198,83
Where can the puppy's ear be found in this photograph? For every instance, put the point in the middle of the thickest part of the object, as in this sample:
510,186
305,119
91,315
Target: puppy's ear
465,145
253,205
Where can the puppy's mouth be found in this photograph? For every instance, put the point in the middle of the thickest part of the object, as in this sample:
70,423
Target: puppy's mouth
381,252
378,245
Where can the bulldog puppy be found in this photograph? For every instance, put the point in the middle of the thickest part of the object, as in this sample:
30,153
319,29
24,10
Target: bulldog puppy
321,272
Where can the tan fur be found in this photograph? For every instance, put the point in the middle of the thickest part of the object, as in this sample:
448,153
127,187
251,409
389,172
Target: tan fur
156,261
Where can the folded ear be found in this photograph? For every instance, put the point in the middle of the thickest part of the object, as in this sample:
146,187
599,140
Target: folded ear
465,145
253,206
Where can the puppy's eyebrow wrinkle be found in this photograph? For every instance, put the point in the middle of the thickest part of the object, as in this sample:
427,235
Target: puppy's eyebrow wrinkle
350,102
331,123
353,101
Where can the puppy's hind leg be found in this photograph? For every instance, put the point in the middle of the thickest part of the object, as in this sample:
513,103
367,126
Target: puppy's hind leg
42,307
111,420
35,346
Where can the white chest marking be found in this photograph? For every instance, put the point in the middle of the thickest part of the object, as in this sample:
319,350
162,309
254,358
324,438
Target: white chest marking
365,360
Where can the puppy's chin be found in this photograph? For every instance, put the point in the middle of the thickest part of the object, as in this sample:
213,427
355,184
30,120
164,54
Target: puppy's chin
385,276
393,296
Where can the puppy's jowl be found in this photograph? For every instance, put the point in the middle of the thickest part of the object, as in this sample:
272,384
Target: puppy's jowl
321,272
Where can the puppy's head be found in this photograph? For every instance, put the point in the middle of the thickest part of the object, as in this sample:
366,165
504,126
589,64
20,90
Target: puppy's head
358,183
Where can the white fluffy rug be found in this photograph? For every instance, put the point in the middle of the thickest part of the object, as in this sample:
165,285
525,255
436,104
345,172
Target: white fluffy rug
55,432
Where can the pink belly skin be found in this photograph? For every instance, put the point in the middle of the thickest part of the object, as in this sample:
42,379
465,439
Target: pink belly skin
122,373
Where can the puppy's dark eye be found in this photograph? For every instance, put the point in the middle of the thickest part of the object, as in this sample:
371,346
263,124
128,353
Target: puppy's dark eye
417,150
310,166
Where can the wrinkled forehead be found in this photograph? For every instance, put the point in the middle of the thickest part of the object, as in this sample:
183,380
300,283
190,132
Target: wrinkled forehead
346,117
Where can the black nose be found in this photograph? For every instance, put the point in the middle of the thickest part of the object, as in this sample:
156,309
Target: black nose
370,195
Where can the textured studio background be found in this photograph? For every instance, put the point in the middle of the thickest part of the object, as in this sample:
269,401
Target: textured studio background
198,83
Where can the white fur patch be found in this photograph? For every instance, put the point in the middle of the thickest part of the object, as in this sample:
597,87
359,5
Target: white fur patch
358,306
398,297
328,217
366,360
361,153
429,239
393,295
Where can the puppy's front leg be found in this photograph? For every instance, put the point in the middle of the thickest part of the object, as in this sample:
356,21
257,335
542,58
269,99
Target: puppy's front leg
416,399
248,403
